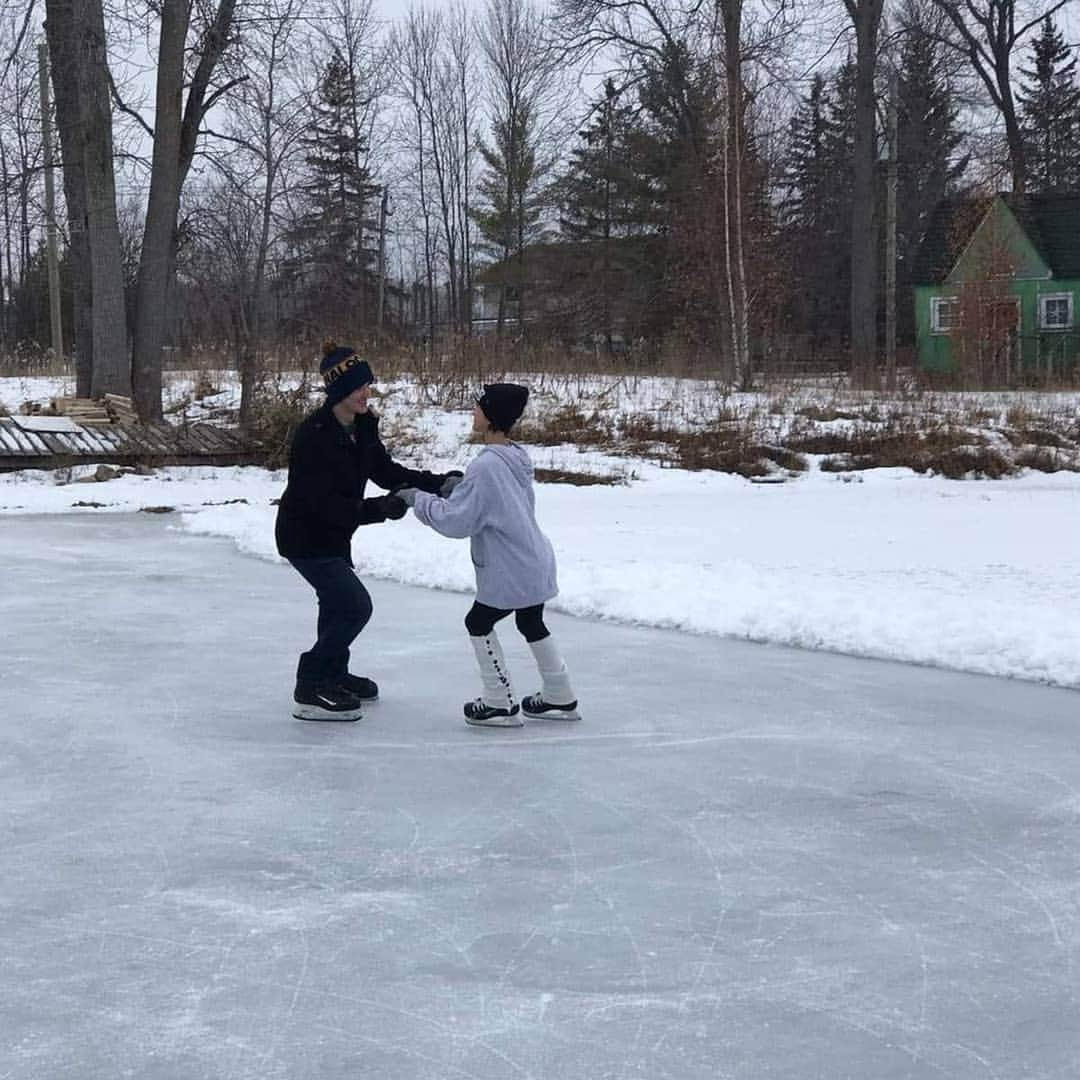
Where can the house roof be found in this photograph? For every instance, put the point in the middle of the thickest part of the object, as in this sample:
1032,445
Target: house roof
1051,223
947,234
555,260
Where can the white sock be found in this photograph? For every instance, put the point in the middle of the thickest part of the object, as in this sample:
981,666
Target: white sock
498,693
553,675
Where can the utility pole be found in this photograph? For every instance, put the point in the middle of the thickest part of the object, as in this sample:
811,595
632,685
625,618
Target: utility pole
890,241
51,254
383,204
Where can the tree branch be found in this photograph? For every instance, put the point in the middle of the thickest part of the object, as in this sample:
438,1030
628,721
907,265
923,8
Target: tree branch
19,39
118,101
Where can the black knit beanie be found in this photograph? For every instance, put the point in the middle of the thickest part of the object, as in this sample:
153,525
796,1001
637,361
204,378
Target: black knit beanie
503,404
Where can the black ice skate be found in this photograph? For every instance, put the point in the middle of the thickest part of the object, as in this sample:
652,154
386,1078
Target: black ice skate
366,690
536,708
325,703
481,715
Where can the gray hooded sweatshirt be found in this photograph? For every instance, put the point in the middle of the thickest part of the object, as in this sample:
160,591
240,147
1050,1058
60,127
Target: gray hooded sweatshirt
495,506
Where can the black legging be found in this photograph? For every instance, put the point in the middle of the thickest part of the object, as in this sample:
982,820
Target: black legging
481,620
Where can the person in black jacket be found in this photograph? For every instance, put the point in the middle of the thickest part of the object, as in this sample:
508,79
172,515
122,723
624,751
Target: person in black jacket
334,453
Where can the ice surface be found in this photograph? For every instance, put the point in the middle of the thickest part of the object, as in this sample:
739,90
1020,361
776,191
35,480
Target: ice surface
745,862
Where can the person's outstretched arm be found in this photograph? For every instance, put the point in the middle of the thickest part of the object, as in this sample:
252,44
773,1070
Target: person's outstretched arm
462,514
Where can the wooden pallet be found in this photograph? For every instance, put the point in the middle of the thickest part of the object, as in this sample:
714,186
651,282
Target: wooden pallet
22,447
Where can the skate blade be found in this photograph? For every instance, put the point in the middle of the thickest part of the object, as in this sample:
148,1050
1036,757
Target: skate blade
313,712
496,721
553,714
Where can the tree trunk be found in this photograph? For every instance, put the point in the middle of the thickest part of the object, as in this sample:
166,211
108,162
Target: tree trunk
4,180
76,35
174,149
734,216
864,235
155,260
65,90
1014,134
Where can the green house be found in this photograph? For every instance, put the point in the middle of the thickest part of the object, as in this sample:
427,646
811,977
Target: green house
997,287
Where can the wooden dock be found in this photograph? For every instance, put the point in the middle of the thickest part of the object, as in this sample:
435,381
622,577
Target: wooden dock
53,442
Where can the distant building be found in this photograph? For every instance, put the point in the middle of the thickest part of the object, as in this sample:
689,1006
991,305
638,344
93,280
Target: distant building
997,286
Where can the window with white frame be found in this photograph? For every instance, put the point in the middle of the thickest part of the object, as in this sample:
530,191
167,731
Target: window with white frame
944,314
1056,311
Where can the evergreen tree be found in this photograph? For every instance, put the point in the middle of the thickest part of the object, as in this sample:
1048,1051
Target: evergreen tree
675,156
334,238
930,157
816,208
512,207
596,194
1050,110
509,216
669,150
805,178
608,267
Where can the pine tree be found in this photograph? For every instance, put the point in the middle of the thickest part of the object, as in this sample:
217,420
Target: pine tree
669,149
1050,109
805,178
596,194
607,267
675,157
512,209
334,237
930,157
816,207
509,216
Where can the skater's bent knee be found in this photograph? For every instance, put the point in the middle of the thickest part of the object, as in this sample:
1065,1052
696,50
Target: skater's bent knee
530,623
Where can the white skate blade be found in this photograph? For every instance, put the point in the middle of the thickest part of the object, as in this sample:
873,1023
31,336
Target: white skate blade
496,721
552,712
313,712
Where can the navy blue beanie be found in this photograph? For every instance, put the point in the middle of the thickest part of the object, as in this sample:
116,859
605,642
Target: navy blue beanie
343,372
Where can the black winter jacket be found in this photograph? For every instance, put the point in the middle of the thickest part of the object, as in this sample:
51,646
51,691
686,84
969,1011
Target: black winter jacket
324,499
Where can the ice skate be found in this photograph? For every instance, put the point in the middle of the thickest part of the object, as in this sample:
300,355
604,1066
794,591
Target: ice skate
480,714
496,707
536,708
555,700
325,703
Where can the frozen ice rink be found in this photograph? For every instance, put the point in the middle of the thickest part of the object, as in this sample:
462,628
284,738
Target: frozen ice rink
746,862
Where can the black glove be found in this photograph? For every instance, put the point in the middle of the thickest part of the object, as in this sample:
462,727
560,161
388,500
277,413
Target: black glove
449,482
390,506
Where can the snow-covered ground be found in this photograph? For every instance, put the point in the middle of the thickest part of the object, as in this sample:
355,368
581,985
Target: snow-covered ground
981,576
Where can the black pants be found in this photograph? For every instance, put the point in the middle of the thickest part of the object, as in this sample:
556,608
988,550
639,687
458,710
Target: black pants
481,620
344,610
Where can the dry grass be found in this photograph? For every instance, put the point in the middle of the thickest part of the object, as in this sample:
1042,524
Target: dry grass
579,479
770,435
279,408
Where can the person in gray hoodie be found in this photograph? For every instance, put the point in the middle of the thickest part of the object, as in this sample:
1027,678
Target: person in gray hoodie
495,506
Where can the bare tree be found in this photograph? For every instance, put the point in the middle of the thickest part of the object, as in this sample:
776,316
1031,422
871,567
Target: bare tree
729,17
80,75
20,161
415,52
866,18
522,82
436,71
261,139
462,74
176,130
986,33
